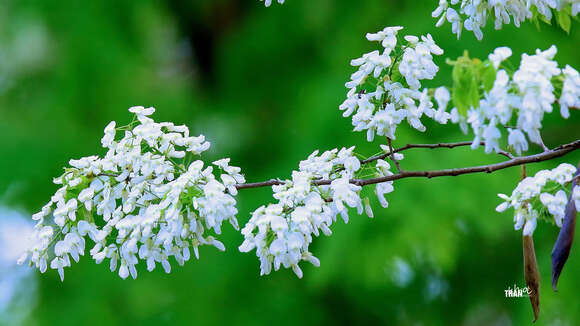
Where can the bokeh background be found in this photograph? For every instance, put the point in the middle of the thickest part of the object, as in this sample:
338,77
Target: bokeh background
264,85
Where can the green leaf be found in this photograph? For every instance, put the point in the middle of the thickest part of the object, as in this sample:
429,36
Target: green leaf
487,75
564,20
537,17
465,87
545,20
396,74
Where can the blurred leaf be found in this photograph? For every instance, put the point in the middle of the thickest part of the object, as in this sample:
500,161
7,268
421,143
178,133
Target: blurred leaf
565,239
465,88
487,75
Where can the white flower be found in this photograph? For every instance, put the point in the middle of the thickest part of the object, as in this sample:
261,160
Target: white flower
517,140
86,197
534,82
382,189
380,110
383,168
453,17
564,173
505,205
473,14
499,55
352,164
539,188
531,221
443,5
109,136
64,210
267,3
46,209
519,219
140,110
372,62
442,97
556,205
417,64
387,37
491,135
232,171
428,41
59,264
527,96
345,192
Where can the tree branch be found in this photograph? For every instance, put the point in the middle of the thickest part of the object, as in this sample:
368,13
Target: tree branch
544,156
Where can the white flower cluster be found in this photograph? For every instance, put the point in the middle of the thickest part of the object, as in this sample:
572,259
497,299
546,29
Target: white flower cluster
570,97
525,97
281,233
142,200
473,14
267,3
542,194
386,88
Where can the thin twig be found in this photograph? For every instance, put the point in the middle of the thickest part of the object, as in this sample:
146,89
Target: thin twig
544,147
268,183
432,146
390,141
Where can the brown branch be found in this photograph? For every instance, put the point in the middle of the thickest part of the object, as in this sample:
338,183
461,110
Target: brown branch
409,146
544,156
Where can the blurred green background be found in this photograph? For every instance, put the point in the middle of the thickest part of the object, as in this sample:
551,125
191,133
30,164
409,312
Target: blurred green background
264,85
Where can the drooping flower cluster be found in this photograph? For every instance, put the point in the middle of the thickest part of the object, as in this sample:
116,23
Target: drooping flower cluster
518,102
473,14
545,194
570,97
148,198
282,232
386,88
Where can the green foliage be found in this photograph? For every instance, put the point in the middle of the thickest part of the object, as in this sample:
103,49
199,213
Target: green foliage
563,18
470,78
